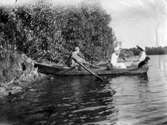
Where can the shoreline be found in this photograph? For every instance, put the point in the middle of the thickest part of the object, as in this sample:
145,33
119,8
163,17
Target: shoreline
20,85
17,74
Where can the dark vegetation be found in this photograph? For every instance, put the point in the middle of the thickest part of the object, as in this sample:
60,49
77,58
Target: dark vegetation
149,51
129,52
156,50
13,65
44,32
9,66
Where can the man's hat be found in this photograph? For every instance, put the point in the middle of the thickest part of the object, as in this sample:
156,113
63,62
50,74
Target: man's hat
77,48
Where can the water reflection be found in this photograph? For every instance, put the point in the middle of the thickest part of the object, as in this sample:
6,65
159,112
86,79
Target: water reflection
130,98
69,102
142,100
139,100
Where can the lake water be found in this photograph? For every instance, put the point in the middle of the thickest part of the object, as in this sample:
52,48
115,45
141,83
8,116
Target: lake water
139,100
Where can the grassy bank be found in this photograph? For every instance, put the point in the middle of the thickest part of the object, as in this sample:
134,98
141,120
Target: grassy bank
17,72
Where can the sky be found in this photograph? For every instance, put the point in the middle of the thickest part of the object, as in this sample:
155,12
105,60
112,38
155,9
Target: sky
142,22
135,22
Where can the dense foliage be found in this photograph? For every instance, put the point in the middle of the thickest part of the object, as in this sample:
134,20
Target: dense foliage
129,52
149,51
12,65
51,33
156,50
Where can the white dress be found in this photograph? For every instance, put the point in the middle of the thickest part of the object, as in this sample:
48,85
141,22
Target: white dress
143,56
115,63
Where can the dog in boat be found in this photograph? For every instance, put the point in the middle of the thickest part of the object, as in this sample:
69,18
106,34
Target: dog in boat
142,63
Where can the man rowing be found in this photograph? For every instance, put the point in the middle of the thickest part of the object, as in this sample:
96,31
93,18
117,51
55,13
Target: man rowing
76,55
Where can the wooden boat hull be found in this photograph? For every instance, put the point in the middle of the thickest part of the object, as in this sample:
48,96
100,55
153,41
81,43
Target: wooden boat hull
66,71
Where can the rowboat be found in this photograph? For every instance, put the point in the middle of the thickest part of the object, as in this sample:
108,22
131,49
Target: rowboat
71,71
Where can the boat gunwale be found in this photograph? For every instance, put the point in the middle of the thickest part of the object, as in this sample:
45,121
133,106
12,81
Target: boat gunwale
113,72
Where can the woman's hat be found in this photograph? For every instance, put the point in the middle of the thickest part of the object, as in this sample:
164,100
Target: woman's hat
140,48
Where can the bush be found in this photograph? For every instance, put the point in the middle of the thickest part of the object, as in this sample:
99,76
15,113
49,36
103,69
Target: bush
156,50
51,33
13,65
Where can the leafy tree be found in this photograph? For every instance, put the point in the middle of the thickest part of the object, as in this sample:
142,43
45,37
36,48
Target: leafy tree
156,50
45,32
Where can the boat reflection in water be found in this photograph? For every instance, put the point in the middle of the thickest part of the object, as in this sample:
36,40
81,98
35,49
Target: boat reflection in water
78,101
131,98
90,103
71,101
139,100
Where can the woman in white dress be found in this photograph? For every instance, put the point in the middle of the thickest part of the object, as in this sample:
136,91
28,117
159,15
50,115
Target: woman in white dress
114,59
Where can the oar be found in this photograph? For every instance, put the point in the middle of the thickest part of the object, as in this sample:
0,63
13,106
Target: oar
87,69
